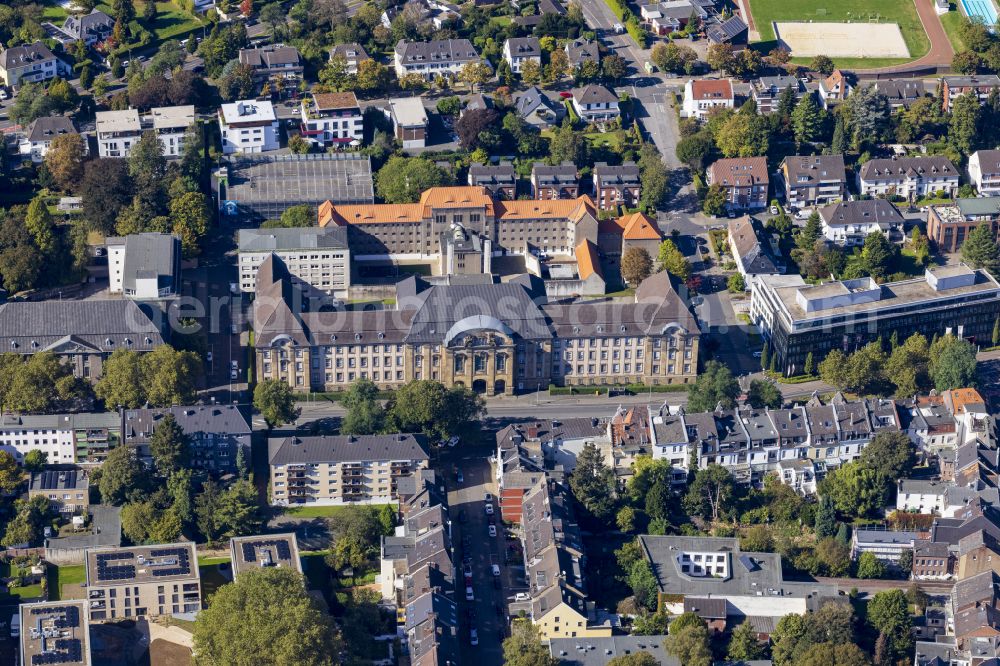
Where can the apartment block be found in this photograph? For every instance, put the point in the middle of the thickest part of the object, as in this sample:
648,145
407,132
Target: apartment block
984,172
813,180
248,126
616,185
744,179
444,57
65,438
499,179
560,181
333,118
170,124
948,225
980,85
144,266
41,134
280,551
908,177
215,433
702,96
319,256
332,470
274,61
518,50
142,581
119,131
55,632
409,121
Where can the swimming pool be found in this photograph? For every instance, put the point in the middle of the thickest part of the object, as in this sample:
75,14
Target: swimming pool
983,9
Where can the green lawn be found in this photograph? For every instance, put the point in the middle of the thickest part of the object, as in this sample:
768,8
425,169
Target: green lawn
319,511
858,63
61,576
171,20
951,22
902,12
211,579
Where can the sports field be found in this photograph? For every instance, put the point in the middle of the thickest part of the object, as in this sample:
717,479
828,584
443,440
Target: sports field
842,40
901,12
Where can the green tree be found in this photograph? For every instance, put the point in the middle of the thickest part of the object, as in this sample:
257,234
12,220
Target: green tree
180,486
625,519
403,179
963,128
757,539
635,659
642,581
137,520
736,284
169,376
169,446
121,382
877,254
636,265
690,645
855,489
123,477
907,367
302,215
715,201
239,510
190,218
764,393
952,363
426,406
890,452
365,414
711,493
568,145
807,120
39,224
889,613
35,461
524,646
812,231
834,556
870,566
826,518
266,616
980,249
834,369
743,645
809,366
743,135
593,483
822,64
11,475
64,160
830,654
715,385
673,261
695,150
996,331
207,511
275,401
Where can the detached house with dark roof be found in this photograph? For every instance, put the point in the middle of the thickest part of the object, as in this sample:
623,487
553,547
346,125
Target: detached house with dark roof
745,180
41,133
848,223
519,50
536,109
579,51
445,57
984,172
353,54
275,61
29,62
89,28
813,180
908,177
733,31
342,469
595,104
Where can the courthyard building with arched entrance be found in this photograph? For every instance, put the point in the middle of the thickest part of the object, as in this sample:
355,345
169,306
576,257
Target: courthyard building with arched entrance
495,338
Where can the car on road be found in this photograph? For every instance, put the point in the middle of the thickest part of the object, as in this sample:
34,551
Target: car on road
522,596
492,530
208,357
489,509
495,569
469,596
757,354
473,637
488,498
234,365
233,374
467,570
459,476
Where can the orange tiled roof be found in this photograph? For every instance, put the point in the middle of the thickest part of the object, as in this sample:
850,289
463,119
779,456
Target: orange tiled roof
574,209
371,214
587,261
465,196
964,396
639,226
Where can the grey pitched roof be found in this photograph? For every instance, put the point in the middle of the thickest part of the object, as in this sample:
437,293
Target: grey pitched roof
814,169
626,174
270,56
524,47
753,252
869,211
599,651
904,90
59,480
352,51
150,254
28,327
492,174
550,7
580,51
554,175
727,30
975,81
49,127
21,56
139,424
301,238
443,50
345,448
900,168
530,100
594,94
95,22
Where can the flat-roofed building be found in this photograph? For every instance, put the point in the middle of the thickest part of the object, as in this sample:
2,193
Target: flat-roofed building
318,256
117,132
170,124
948,225
848,314
333,470
253,189
264,551
68,490
886,545
248,126
409,121
65,438
142,581
333,118
55,632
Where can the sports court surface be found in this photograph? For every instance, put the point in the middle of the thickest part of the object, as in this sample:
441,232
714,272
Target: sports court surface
842,40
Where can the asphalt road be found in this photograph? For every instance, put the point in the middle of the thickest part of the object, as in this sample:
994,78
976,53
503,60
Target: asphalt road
487,613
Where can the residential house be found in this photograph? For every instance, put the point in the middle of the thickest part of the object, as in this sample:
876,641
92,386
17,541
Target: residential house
170,124
948,225
744,179
89,28
901,93
616,235
67,489
908,177
518,50
274,62
83,334
536,109
579,51
848,223
595,104
142,581
753,250
980,85
701,96
798,474
984,172
334,118
144,266
40,134
353,54
343,469
444,57
813,319
560,181
767,91
813,180
409,121
834,89
887,545
29,62
551,445
500,180
662,18
217,434
318,256
271,551
65,439
119,131
733,31
616,186
248,126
